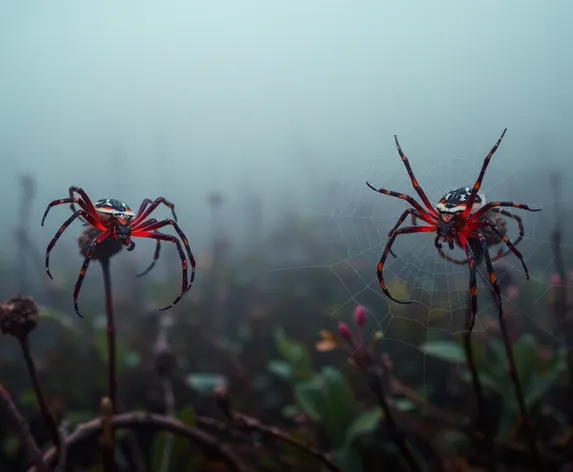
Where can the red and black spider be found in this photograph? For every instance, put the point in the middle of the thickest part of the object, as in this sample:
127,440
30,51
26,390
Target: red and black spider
117,221
460,217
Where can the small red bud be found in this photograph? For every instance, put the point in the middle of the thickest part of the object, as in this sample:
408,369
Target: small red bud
360,316
344,331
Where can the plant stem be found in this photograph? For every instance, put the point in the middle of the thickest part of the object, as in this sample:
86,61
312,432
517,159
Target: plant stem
481,421
145,421
47,416
390,422
532,445
110,321
22,429
107,436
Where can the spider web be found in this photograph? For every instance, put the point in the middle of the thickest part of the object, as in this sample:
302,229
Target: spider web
358,221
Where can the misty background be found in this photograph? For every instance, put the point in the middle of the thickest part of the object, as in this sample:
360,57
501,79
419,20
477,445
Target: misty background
281,102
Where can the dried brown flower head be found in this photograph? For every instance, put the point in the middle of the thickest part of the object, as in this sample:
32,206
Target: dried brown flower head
105,250
19,316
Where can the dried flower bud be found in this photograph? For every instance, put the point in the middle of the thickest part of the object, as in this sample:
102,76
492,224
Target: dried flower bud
360,315
344,331
105,250
19,316
492,237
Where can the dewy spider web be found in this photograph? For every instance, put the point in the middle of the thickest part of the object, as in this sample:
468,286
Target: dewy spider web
361,219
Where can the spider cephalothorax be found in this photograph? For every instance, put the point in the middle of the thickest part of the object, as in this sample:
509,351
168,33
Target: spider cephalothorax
460,217
115,220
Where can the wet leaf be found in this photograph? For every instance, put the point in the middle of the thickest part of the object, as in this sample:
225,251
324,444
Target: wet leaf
449,351
281,369
365,423
205,383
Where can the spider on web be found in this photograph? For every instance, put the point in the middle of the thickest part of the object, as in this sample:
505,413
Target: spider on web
461,217
116,221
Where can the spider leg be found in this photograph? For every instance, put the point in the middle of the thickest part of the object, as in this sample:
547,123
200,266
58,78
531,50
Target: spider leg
68,222
155,258
73,206
423,214
101,237
501,254
415,183
95,221
487,207
510,246
491,271
170,222
185,286
90,208
479,180
473,280
380,267
144,213
403,216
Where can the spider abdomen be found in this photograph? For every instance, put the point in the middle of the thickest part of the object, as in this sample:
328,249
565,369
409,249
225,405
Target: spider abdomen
110,207
455,201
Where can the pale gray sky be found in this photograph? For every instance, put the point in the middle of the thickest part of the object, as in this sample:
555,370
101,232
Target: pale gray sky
234,90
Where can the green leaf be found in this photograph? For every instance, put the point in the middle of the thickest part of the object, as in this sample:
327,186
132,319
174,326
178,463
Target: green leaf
348,459
525,351
328,400
290,411
296,355
281,369
366,422
205,383
449,351
404,404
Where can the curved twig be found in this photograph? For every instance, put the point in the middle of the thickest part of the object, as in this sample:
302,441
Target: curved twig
139,420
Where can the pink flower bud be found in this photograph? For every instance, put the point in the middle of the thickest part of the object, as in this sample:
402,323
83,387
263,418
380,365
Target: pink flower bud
556,279
360,316
344,331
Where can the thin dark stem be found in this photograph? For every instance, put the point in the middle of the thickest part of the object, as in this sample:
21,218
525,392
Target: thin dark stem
47,416
111,373
22,429
143,421
482,422
375,383
519,396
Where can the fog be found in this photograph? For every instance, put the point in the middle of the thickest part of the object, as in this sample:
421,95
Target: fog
138,99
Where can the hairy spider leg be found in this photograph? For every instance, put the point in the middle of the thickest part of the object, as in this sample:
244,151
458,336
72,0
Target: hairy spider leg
100,238
415,183
170,222
380,267
473,280
492,276
185,286
519,221
510,246
408,211
68,222
73,206
144,213
90,208
479,180
95,221
429,217
487,207
157,246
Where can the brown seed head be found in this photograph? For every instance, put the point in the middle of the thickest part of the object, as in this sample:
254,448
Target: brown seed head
19,316
105,250
491,237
